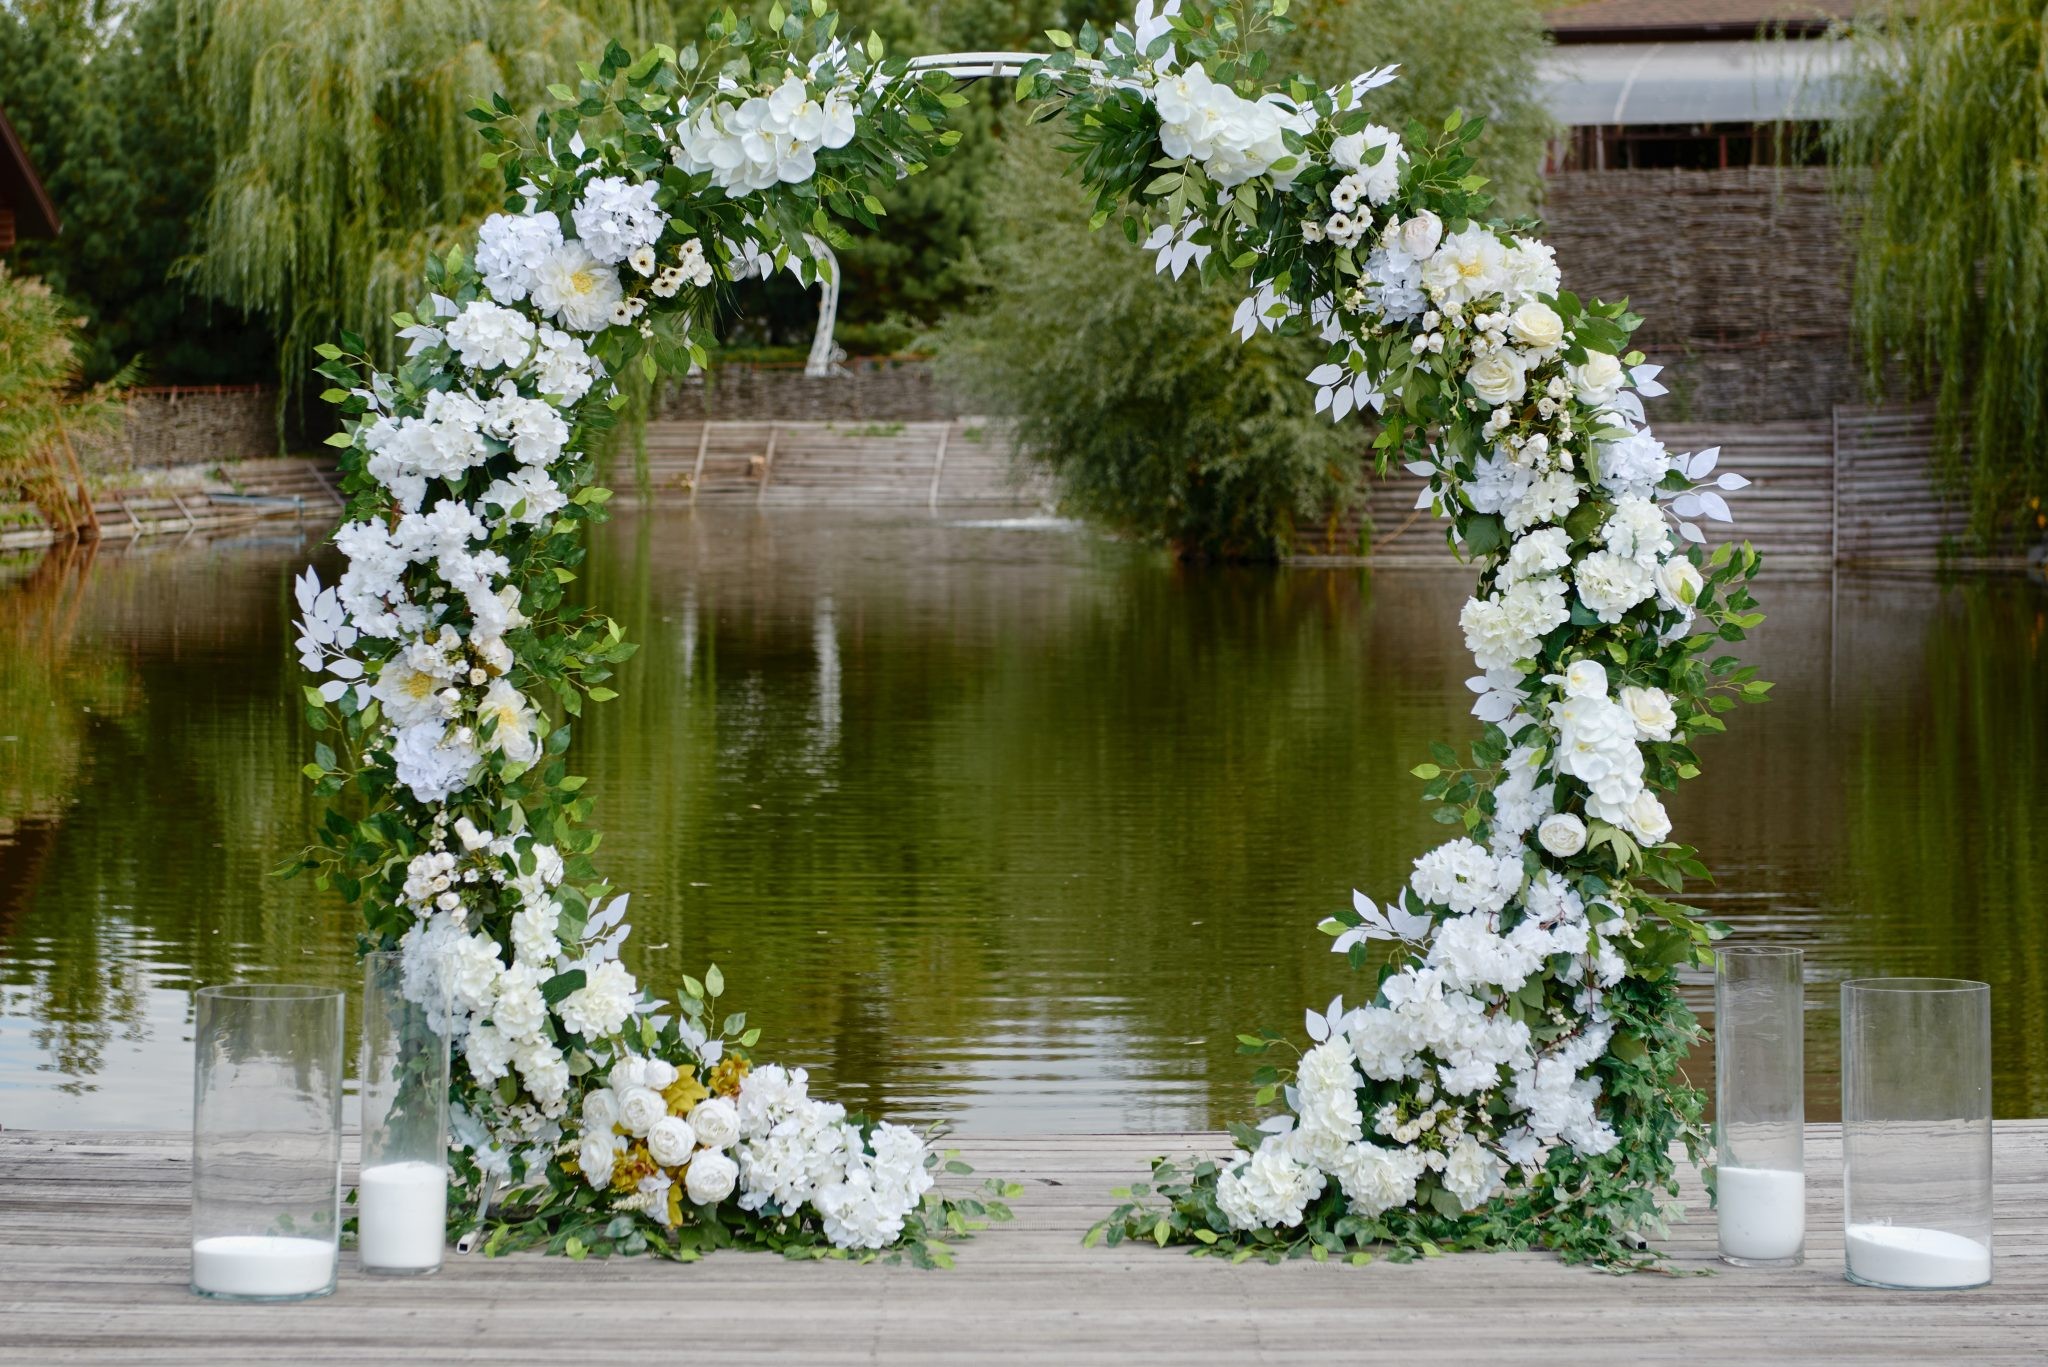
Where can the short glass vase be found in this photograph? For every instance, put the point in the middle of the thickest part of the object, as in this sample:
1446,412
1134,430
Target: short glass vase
266,1142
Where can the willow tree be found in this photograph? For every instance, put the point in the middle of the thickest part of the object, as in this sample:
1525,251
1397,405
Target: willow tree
1945,150
345,153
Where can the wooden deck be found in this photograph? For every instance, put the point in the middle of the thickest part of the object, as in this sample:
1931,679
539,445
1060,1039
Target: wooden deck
93,1267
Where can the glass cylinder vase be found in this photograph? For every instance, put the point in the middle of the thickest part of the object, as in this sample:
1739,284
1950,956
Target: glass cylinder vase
1760,1105
1916,1132
266,1142
402,1195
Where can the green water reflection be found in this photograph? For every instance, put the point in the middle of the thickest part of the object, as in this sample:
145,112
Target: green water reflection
1005,823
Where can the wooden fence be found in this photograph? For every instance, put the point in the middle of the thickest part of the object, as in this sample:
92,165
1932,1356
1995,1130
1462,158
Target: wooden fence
895,464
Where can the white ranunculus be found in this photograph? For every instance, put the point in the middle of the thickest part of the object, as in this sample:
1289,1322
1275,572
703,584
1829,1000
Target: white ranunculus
717,1123
1498,378
1418,237
711,1178
1679,583
1536,326
1647,819
1597,379
640,1109
1563,834
670,1141
596,1155
1651,707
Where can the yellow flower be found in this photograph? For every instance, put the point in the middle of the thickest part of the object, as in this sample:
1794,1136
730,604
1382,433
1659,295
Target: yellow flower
684,1093
633,1165
675,1199
727,1076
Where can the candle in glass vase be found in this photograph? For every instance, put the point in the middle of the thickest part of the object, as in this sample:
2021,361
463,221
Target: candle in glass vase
403,1216
1762,1213
261,1265
1902,1255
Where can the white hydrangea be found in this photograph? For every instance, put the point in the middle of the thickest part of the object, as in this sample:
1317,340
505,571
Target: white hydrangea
616,217
1632,464
1637,530
563,368
600,1007
432,761
1377,1179
1270,1189
510,249
1471,1174
486,336
1462,875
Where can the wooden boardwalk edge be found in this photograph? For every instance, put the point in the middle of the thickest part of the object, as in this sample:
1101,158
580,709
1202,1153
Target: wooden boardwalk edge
93,1261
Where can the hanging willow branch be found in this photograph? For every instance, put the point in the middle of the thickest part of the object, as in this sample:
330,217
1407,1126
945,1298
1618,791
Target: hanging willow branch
1945,142
346,157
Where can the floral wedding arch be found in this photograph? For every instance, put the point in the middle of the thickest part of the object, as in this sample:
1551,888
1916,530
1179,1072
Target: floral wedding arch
1511,1076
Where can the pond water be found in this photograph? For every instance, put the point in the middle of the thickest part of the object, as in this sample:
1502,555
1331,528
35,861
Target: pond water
1000,822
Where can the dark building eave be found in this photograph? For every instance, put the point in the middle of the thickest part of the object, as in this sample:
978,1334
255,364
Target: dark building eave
1708,32
22,189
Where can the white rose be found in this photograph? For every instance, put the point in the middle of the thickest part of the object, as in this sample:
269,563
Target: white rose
1585,679
1597,379
671,1140
660,1073
711,1177
1497,378
1537,326
595,1155
1419,236
1679,582
640,1109
1564,835
628,1073
717,1123
600,1110
1651,708
1647,818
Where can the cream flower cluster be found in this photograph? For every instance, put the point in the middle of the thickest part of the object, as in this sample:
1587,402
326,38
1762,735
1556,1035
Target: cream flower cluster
759,140
418,634
1481,1093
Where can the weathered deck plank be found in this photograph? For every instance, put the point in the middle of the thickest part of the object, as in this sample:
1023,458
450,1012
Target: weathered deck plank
93,1264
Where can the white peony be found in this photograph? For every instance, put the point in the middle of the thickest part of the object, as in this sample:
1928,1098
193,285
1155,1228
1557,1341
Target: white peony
576,289
639,1110
517,736
597,1155
1419,236
1563,835
717,1123
1539,554
601,1005
670,1141
1467,265
711,1178
1585,679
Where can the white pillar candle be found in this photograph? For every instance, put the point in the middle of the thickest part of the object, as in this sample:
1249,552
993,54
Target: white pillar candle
1904,1255
1762,1212
262,1265
403,1216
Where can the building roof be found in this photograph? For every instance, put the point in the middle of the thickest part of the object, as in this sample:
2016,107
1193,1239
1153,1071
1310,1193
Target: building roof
1614,21
21,189
1655,83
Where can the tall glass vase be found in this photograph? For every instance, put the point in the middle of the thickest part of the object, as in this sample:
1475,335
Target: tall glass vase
402,1196
1916,1132
1760,1105
266,1142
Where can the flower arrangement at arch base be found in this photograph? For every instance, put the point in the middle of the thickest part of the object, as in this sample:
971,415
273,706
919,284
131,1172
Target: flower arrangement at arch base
589,1116
1511,1075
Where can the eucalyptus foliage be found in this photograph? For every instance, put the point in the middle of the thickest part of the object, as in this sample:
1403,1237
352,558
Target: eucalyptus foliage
1944,147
